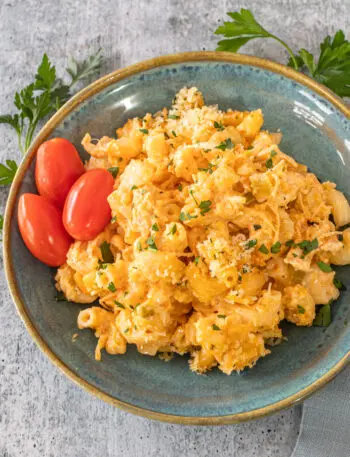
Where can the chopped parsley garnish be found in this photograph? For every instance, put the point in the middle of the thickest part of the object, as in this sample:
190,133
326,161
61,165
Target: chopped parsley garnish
155,227
145,131
275,248
338,284
114,171
222,316
323,317
250,244
257,226
206,150
173,116
269,163
227,144
290,243
179,187
134,187
186,216
273,154
219,126
340,237
308,246
301,309
194,198
209,169
324,267
196,260
111,287
305,245
106,252
263,249
101,265
120,305
139,247
205,206
151,243
126,330
215,327
60,296
114,219
173,230
174,133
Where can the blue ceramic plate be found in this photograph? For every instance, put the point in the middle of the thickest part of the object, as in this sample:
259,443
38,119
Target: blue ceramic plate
316,131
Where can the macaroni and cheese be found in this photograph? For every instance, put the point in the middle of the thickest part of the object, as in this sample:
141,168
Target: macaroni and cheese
216,236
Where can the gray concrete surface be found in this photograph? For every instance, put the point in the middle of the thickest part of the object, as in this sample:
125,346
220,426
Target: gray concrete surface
42,414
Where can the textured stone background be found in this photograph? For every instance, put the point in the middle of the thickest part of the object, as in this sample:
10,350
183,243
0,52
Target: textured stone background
42,414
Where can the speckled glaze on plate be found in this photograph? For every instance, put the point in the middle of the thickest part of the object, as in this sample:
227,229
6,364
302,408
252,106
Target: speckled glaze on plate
316,131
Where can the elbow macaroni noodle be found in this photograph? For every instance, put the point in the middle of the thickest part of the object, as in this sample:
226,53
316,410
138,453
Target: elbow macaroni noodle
216,234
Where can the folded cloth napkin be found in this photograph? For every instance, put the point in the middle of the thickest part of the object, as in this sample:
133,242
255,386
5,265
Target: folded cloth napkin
325,425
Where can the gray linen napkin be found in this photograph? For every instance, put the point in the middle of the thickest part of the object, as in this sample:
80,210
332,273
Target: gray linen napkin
325,425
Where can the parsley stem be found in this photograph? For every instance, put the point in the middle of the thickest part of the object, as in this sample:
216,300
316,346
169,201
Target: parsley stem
290,52
20,143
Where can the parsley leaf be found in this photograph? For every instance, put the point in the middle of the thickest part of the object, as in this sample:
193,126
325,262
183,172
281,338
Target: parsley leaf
120,305
60,296
173,230
7,172
113,171
155,227
242,29
257,226
323,317
186,216
219,126
79,70
134,187
173,116
106,252
301,309
332,68
205,206
196,260
145,131
290,244
40,99
111,287
324,267
308,246
209,169
227,144
263,249
250,244
222,316
215,327
338,284
275,248
269,163
151,243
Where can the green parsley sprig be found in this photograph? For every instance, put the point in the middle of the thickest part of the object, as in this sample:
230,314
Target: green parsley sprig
41,98
332,67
